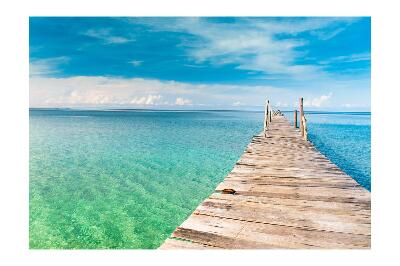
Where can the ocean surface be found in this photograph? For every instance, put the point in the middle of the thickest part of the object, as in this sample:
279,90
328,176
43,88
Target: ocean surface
126,179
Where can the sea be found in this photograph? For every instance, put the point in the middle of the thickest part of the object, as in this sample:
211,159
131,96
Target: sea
125,179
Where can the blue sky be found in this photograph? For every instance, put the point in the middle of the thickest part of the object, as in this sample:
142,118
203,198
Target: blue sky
200,63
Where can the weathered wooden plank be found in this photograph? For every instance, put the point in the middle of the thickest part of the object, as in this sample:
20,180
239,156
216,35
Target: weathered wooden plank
338,198
294,202
220,241
293,182
221,232
335,220
282,193
298,190
172,243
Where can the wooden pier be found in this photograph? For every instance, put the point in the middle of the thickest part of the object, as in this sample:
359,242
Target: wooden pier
282,193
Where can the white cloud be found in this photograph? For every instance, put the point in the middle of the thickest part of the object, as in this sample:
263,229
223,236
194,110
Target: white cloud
317,101
86,91
252,44
136,62
181,101
146,100
347,58
280,104
238,103
107,36
328,35
92,91
48,66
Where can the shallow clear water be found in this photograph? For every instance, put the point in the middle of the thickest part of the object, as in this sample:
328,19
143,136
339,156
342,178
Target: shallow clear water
345,138
126,179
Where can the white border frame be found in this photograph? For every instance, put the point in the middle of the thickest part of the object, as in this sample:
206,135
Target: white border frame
14,102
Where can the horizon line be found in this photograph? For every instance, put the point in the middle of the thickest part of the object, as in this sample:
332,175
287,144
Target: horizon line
186,110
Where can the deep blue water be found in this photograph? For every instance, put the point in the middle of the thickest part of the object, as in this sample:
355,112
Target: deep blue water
126,179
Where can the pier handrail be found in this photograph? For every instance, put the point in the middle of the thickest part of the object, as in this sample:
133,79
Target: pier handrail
283,169
268,113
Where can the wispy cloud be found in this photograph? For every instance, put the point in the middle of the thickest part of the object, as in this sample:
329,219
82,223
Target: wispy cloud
253,44
238,103
347,58
136,63
107,36
48,66
326,35
281,104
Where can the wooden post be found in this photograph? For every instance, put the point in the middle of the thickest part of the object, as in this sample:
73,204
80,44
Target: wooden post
301,116
304,120
270,114
295,118
266,117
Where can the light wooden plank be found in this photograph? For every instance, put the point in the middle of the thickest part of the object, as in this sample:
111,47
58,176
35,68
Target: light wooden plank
172,243
282,193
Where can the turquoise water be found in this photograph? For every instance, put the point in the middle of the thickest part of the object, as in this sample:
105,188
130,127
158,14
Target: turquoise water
345,138
103,179
126,179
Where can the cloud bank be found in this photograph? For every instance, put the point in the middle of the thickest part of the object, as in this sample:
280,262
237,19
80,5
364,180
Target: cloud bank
94,91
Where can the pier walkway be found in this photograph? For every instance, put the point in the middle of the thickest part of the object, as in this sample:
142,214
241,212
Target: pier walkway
282,193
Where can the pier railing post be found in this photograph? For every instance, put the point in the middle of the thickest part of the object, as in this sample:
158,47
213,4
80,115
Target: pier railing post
270,114
295,118
301,116
268,111
303,121
266,117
